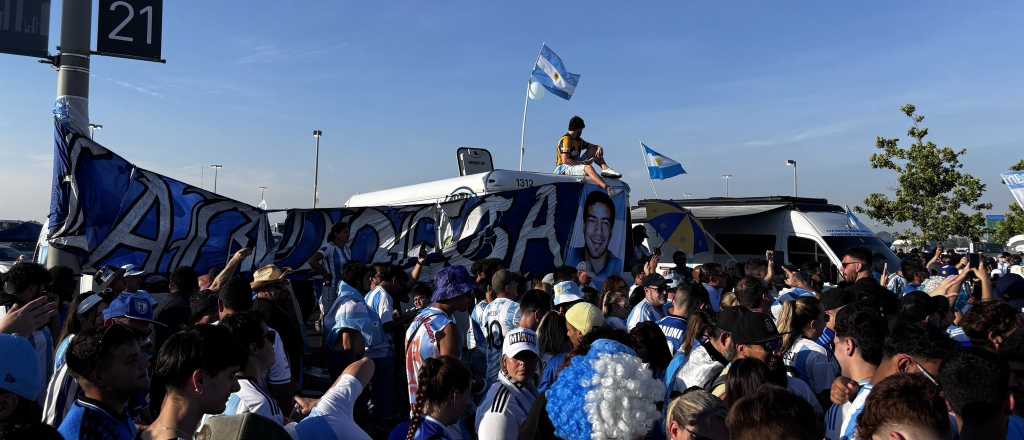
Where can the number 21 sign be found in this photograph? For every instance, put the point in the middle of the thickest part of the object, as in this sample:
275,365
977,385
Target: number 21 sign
130,29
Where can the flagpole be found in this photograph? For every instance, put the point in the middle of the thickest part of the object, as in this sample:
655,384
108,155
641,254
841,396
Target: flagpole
643,156
522,132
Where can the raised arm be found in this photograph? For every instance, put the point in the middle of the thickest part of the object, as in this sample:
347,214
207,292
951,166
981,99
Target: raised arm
230,269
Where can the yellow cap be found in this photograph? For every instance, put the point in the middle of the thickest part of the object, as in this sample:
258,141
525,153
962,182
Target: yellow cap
584,317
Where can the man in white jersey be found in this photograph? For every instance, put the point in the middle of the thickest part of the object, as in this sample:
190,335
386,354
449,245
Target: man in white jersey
500,317
507,404
650,308
329,262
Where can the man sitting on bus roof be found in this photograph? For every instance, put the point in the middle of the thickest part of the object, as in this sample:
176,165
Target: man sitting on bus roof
576,156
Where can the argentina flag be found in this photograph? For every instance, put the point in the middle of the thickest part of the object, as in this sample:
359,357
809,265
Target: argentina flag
551,73
659,166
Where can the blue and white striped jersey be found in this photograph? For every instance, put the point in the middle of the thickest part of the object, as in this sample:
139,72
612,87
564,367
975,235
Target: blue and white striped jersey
643,312
380,301
500,317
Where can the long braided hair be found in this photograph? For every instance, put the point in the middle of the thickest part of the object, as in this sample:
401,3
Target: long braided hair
438,380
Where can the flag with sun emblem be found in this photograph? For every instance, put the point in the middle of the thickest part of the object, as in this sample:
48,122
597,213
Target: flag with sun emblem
551,73
661,167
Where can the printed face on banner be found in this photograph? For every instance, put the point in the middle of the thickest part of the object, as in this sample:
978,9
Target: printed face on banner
599,234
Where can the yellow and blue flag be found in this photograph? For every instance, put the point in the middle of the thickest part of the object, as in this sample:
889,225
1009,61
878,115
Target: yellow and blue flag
678,229
551,73
659,166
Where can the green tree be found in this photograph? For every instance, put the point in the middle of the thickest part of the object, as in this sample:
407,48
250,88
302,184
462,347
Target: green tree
933,191
1014,223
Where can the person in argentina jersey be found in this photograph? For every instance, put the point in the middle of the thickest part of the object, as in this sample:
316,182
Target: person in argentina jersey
257,340
111,369
801,324
673,325
509,400
355,331
650,308
433,334
500,317
908,349
860,334
329,262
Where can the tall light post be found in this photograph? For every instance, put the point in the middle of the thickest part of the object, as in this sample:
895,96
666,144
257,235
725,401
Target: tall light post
92,130
792,163
263,201
316,168
726,178
216,169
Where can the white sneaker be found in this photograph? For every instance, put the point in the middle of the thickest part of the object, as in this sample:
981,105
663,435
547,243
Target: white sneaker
608,172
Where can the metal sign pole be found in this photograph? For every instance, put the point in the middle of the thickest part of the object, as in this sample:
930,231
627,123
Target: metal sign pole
73,86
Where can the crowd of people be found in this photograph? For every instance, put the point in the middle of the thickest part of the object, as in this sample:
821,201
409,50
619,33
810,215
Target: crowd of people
756,350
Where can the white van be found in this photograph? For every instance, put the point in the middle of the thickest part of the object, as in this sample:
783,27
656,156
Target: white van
799,230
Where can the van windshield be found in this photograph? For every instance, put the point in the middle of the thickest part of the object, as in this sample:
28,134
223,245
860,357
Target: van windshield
841,244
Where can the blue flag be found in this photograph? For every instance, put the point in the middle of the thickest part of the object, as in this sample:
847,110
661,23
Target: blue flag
551,73
661,167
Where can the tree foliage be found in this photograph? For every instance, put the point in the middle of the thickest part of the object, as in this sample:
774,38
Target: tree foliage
933,191
1014,223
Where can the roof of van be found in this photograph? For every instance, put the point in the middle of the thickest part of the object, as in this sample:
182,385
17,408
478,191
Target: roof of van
724,207
455,188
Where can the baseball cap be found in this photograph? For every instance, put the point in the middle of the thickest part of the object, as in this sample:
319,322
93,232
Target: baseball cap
584,317
549,279
132,305
518,341
567,292
655,280
88,302
838,297
19,374
131,271
747,327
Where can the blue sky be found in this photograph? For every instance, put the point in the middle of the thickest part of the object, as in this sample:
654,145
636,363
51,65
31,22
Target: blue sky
397,86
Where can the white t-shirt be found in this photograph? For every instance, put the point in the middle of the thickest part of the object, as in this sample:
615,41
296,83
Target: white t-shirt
281,371
812,364
504,409
332,416
500,317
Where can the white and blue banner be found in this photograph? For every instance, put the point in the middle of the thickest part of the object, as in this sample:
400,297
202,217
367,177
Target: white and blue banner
1015,182
660,166
106,211
532,230
550,72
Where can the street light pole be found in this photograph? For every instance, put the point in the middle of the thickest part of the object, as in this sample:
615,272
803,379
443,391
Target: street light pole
216,169
92,130
726,177
792,163
263,190
316,168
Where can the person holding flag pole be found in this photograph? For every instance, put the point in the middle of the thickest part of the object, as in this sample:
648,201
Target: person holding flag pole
659,166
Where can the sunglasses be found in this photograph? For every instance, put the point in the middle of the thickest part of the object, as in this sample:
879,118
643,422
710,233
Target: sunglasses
926,374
